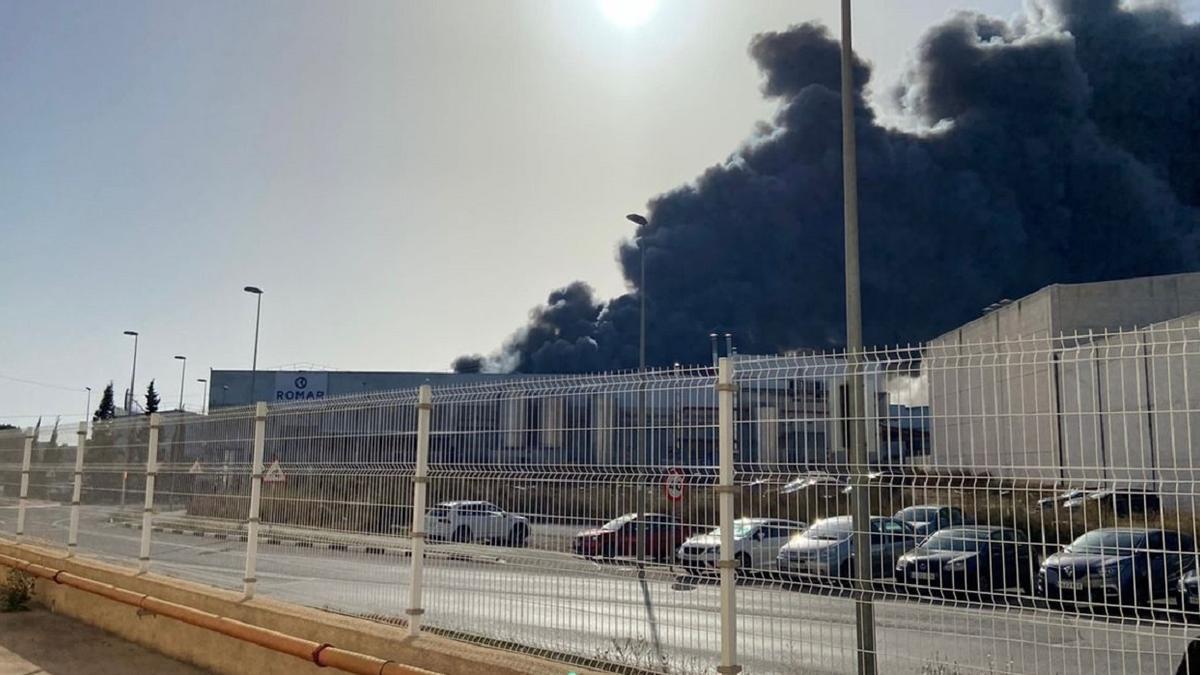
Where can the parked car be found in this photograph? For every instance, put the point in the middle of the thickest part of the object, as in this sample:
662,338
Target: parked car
811,480
1059,500
971,558
1120,566
476,521
1120,502
1189,591
892,475
930,518
826,548
756,543
618,537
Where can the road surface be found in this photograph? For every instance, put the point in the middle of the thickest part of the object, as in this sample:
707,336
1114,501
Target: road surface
551,601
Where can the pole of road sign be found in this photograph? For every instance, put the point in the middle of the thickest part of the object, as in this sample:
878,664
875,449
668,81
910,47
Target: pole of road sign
148,506
725,490
417,531
23,499
256,476
77,490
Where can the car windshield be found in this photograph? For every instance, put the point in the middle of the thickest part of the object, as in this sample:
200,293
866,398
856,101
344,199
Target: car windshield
956,540
438,512
918,514
834,528
741,529
616,523
1108,542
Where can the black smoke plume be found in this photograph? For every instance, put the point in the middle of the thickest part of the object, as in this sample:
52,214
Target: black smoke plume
1060,147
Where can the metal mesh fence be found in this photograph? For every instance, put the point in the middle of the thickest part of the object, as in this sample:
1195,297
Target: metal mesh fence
12,444
201,496
337,494
50,483
1025,506
113,487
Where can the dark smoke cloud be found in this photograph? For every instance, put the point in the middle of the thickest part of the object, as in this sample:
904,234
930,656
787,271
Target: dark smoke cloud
1062,147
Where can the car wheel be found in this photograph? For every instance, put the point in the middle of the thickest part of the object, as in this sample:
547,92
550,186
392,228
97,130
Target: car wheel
744,563
519,535
462,534
846,573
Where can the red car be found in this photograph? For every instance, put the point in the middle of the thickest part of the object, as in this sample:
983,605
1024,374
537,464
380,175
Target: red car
618,537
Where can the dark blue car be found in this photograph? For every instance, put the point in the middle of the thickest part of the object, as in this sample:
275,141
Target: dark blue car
971,558
1118,567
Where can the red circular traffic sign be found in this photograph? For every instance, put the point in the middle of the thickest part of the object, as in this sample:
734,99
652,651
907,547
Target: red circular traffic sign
673,484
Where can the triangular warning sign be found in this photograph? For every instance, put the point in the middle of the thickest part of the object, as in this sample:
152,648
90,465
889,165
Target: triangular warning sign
274,474
196,468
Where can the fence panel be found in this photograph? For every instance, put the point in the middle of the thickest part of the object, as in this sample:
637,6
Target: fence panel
12,448
113,488
51,483
201,496
336,503
534,488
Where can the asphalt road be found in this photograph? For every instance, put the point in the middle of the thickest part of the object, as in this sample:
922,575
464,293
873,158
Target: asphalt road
556,602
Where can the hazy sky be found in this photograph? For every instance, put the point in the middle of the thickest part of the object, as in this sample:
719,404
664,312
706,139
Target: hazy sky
405,180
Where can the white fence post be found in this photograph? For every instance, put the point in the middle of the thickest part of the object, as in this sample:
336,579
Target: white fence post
148,507
249,579
23,500
417,531
725,491
77,490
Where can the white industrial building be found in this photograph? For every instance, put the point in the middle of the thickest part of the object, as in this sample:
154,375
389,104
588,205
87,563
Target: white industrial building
1087,384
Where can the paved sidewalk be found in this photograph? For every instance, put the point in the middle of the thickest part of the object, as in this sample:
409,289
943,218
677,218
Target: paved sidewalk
38,642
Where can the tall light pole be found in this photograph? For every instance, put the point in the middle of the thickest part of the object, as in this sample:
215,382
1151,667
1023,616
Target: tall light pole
132,373
87,409
641,222
254,363
860,508
204,401
182,376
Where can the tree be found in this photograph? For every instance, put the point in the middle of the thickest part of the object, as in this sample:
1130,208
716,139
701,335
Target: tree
107,409
152,398
6,427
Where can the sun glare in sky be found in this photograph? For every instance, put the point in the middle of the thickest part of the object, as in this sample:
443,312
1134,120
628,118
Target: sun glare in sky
628,13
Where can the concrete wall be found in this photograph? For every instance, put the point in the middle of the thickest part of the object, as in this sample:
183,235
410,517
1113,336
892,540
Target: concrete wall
1126,303
226,655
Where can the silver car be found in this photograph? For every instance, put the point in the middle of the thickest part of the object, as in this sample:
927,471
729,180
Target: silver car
756,543
929,518
826,548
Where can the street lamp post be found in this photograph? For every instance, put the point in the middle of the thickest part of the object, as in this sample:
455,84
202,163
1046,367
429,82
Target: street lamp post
87,409
641,222
255,290
204,401
182,377
132,373
860,509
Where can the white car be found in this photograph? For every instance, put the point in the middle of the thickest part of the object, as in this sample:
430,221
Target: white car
756,543
474,521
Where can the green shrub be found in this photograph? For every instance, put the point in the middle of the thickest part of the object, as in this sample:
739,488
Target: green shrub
16,591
